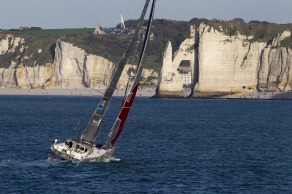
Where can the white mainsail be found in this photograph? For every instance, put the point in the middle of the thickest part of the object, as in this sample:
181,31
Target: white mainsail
123,26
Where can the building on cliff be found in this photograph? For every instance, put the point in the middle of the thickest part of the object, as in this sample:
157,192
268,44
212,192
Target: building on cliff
98,30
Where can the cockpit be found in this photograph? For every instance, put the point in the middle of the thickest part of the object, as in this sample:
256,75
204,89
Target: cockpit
75,146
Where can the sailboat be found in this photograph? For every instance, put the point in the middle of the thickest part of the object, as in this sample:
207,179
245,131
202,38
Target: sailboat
85,149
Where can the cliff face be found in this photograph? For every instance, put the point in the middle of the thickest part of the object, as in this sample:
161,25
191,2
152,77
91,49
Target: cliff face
233,64
209,62
16,72
226,64
9,44
275,63
76,69
72,67
170,81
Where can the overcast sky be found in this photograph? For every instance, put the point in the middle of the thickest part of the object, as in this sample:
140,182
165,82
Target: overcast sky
87,13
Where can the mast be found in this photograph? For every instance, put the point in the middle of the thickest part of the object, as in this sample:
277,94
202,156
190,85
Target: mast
91,131
122,117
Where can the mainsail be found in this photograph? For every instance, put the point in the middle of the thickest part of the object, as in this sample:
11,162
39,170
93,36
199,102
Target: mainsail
123,26
91,131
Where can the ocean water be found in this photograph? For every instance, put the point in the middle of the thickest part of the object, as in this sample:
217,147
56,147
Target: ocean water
168,146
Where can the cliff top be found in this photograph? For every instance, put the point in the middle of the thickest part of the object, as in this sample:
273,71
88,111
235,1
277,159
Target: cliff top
261,31
112,46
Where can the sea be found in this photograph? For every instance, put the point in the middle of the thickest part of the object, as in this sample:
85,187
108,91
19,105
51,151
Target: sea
167,146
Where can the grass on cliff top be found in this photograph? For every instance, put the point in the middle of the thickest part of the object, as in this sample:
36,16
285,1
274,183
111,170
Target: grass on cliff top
112,47
47,46
44,39
30,56
52,32
261,31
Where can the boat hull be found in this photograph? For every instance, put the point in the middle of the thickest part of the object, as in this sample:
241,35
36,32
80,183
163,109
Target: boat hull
77,152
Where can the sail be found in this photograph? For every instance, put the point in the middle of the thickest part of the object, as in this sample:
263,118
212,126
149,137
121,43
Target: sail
91,131
123,26
122,117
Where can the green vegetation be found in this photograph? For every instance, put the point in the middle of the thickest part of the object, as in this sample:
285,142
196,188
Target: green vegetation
6,59
261,31
108,46
163,31
51,32
33,45
36,40
112,46
36,50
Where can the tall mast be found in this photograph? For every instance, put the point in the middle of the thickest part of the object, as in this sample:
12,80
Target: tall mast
122,117
91,131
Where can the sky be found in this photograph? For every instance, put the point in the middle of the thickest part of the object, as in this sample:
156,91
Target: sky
52,14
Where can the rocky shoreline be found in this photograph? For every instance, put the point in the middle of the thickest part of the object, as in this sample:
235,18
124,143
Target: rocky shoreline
248,96
264,96
142,92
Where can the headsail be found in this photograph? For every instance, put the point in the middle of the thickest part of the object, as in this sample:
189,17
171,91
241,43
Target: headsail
91,131
122,117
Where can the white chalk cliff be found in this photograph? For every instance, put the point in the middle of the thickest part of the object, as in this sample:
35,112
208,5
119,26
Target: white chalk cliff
76,69
170,81
229,64
275,63
219,64
72,67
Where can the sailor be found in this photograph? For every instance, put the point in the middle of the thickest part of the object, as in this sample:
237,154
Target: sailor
99,145
70,144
